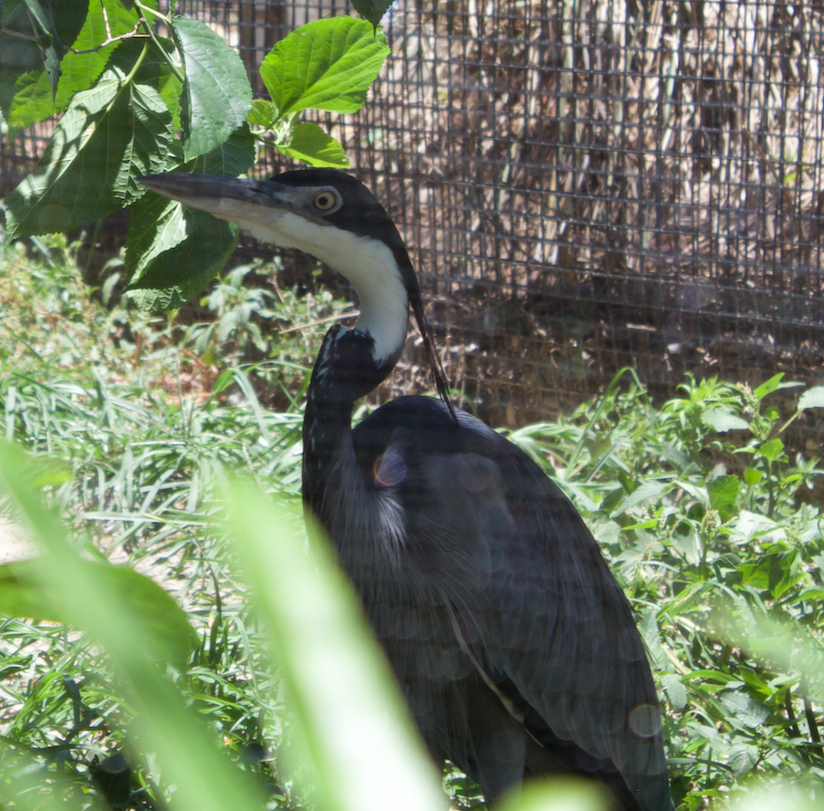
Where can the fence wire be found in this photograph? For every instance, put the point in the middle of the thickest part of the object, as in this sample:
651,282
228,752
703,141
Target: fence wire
592,184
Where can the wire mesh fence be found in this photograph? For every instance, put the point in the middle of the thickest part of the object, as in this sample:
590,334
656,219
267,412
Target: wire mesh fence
589,184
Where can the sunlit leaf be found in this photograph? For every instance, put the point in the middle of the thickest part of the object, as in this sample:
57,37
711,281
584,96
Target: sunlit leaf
723,420
328,65
109,136
310,144
812,398
769,387
34,98
263,113
217,95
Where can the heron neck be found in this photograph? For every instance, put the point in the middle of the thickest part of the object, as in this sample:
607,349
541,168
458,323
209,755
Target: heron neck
345,371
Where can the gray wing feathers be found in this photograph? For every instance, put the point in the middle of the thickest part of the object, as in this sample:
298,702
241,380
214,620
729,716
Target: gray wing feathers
539,605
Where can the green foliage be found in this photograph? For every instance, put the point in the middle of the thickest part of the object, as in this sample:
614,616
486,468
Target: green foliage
218,97
716,536
134,103
129,421
327,64
109,136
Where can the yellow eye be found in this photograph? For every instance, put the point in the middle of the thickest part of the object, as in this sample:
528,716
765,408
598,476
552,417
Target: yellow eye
325,201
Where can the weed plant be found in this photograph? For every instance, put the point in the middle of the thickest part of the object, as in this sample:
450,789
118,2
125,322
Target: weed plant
703,514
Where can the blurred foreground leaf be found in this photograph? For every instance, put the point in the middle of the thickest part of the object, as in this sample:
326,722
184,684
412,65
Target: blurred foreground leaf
23,593
557,794
351,717
186,752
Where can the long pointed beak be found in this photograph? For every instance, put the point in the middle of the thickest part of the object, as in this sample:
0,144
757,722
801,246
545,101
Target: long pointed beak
229,198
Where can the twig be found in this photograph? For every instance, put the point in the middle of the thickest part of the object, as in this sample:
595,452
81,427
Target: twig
338,317
108,41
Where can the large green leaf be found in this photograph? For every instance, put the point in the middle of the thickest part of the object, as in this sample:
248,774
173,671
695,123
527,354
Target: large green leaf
347,709
34,98
328,65
159,226
217,95
107,138
310,144
170,637
232,158
199,247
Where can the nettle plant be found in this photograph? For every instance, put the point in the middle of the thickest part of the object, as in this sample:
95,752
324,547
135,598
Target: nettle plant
133,101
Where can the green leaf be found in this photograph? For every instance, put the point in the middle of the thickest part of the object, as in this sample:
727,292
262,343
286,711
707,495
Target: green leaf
50,46
647,491
233,157
750,525
170,87
676,692
200,244
23,593
328,65
34,99
107,138
372,10
772,449
769,387
342,696
263,114
749,712
752,475
723,492
217,95
558,793
812,398
686,540
742,757
723,420
165,275
310,144
156,225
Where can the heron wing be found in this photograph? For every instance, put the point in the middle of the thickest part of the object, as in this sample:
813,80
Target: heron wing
533,601
537,602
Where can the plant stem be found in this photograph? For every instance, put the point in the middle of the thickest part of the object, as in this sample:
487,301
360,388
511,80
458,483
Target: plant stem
174,68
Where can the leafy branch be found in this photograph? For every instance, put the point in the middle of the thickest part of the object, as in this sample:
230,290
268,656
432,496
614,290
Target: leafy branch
132,102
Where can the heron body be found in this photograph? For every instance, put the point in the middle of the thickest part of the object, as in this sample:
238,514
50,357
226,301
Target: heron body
513,643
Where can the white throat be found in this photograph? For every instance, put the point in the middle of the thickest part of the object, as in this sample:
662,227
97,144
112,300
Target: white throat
368,264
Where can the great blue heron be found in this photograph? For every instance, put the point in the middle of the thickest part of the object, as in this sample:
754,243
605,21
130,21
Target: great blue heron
512,641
